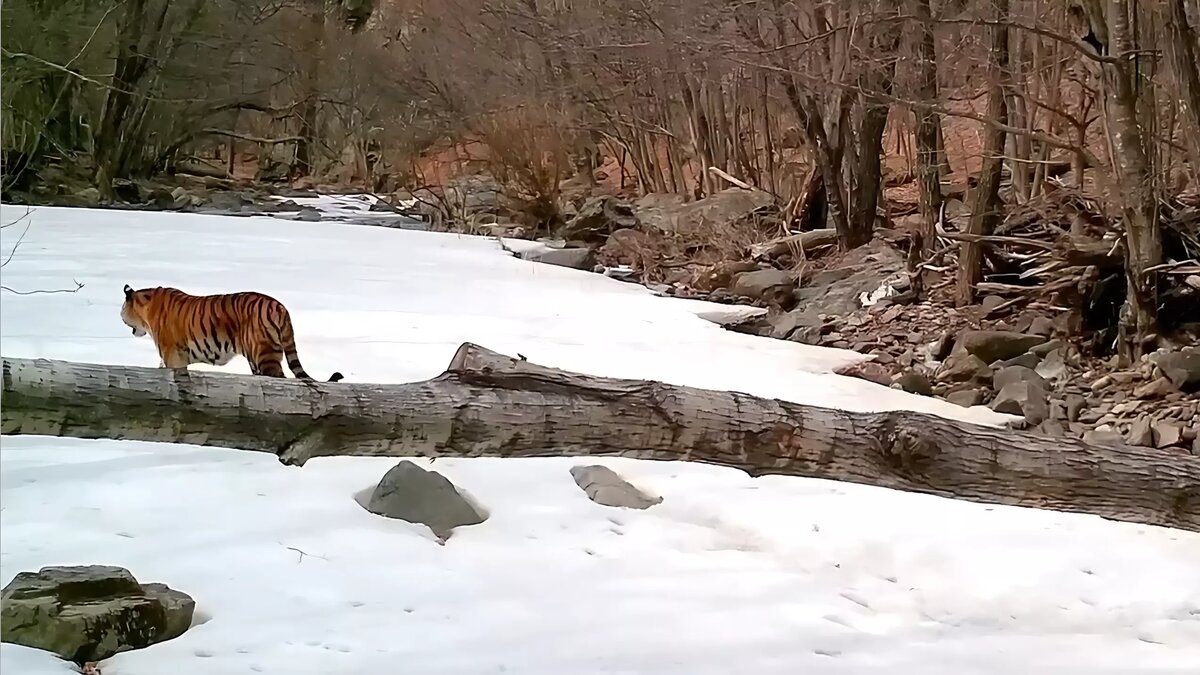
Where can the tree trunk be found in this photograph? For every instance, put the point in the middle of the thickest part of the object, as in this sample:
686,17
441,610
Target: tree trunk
928,169
490,405
985,202
310,89
1139,201
1187,79
129,64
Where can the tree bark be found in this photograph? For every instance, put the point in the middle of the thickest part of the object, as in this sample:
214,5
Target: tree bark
129,64
1139,200
1187,78
310,79
985,202
490,405
928,122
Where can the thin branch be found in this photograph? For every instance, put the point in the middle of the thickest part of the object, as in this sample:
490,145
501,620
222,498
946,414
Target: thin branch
78,286
253,139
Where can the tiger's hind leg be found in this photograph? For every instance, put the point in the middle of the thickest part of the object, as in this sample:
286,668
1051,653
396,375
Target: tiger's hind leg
266,361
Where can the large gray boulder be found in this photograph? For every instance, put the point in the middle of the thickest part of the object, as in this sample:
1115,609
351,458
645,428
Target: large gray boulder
1023,397
837,291
604,486
575,258
467,196
90,612
997,345
763,284
1181,367
671,215
598,218
410,493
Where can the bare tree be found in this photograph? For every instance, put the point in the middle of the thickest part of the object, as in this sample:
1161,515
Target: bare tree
985,203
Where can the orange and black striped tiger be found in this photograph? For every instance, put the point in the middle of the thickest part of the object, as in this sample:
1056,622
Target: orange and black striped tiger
212,329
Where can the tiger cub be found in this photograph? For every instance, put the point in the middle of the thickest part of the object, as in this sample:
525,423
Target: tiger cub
213,329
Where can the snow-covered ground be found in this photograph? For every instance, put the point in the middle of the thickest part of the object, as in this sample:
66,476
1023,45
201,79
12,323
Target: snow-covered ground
728,574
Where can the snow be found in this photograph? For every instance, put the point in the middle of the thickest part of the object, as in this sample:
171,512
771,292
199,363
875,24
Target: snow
728,574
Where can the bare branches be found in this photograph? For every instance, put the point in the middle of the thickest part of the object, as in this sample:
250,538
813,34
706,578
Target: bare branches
25,217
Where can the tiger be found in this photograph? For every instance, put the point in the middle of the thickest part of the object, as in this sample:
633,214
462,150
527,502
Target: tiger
212,329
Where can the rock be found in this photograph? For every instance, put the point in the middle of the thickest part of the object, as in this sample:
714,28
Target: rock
603,486
1102,435
943,347
467,196
1075,405
1141,433
997,345
1166,433
287,206
1041,325
763,284
1058,409
731,206
1181,367
963,367
837,290
1051,427
1101,384
598,218
410,493
965,397
307,214
228,201
1024,398
989,305
1043,349
88,197
1053,366
382,206
1010,374
798,326
575,258
162,198
915,383
90,612
882,358
867,370
1028,360
891,315
1158,388
180,197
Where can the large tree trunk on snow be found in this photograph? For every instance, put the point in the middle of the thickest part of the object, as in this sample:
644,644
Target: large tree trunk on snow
490,405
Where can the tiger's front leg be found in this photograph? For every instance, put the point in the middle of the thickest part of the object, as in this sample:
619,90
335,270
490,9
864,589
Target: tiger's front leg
174,359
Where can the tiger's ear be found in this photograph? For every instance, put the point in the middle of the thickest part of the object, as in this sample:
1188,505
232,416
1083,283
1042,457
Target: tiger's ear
128,292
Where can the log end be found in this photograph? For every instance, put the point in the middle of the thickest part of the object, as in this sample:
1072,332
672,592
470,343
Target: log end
470,357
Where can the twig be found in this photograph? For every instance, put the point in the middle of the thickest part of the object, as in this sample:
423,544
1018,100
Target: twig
254,139
56,290
303,553
739,183
20,238
998,239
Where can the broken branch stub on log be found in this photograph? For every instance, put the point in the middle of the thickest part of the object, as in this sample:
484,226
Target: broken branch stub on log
490,405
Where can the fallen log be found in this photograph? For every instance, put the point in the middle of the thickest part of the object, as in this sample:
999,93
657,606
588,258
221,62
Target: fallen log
490,405
806,242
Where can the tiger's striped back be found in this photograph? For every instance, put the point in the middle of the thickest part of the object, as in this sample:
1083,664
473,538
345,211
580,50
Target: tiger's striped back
213,329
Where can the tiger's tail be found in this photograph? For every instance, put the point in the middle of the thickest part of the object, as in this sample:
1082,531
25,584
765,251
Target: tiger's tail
287,341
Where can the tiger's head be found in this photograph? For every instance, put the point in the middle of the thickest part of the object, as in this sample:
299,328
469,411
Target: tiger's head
131,311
